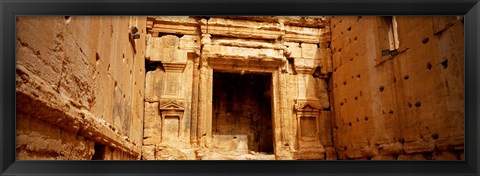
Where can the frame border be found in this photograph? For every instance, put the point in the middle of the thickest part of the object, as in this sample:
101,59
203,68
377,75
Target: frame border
10,9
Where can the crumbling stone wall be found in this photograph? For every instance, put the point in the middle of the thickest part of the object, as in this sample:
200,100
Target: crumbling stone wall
80,87
406,104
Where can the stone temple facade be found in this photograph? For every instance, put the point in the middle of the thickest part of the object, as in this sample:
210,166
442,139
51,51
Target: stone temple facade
240,88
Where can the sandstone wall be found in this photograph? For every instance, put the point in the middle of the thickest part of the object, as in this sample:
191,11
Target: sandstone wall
184,52
382,88
404,106
80,87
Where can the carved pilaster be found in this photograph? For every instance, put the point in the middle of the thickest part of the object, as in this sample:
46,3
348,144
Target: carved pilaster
205,104
166,49
308,137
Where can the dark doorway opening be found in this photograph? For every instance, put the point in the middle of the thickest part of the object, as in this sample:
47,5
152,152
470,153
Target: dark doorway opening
100,152
242,107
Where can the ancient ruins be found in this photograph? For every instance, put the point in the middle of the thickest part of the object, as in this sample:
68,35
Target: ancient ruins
240,88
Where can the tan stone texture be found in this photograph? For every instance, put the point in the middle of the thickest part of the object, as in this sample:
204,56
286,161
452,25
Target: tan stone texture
402,105
240,88
82,75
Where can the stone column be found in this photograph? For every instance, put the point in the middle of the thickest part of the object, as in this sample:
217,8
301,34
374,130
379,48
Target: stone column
307,106
205,95
195,87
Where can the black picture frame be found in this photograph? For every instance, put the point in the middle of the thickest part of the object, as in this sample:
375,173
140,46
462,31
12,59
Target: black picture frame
10,9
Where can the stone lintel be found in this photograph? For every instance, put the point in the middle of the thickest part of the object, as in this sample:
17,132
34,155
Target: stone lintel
247,43
304,21
237,65
233,52
242,28
182,25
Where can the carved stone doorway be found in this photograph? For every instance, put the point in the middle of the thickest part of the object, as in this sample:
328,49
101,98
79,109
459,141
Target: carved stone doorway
242,112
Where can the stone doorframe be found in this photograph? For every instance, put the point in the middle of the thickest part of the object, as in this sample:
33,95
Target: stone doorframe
209,61
296,53
287,143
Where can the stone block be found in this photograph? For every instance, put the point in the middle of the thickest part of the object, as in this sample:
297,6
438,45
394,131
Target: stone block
231,52
302,34
391,149
183,25
413,156
148,152
39,140
330,153
243,29
152,119
189,42
294,49
325,56
309,51
418,146
152,84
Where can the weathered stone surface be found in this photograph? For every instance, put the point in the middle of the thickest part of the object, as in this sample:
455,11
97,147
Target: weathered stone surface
148,152
304,21
330,153
154,81
240,88
38,140
247,43
400,101
293,49
231,52
242,28
302,34
84,60
391,149
325,56
171,25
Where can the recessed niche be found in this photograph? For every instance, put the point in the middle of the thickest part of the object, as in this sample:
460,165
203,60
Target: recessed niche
242,108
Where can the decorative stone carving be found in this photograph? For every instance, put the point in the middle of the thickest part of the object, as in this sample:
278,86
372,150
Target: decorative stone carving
243,46
307,112
171,111
308,139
